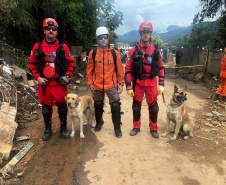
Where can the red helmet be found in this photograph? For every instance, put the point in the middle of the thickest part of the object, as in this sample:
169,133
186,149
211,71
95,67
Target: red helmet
145,26
49,22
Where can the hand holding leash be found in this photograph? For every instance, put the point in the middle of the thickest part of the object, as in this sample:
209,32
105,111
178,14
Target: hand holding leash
130,92
160,89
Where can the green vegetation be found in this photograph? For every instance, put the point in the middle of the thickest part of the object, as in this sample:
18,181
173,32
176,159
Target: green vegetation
21,22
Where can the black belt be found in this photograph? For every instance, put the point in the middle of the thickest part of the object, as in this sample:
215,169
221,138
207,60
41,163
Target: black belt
52,79
144,77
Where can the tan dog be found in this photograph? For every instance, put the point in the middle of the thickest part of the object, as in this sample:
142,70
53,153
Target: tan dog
176,112
77,107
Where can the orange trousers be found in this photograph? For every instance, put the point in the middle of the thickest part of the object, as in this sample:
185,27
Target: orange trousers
222,87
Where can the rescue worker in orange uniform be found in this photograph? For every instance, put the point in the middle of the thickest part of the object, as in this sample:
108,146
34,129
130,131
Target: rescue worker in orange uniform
105,75
222,87
143,64
52,64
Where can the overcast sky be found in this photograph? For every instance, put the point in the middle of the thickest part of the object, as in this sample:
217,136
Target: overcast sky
161,13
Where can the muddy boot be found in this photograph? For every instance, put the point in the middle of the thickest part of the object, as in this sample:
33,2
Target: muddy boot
154,134
62,111
216,97
134,131
47,115
99,115
116,118
48,132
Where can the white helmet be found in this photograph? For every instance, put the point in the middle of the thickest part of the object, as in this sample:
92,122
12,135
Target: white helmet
102,31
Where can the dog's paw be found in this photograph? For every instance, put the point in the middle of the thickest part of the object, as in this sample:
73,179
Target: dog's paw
82,136
173,138
72,134
164,134
93,124
186,137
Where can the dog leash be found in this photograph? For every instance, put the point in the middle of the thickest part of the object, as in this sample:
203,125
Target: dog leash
163,98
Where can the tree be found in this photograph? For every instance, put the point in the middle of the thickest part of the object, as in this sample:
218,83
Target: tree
210,9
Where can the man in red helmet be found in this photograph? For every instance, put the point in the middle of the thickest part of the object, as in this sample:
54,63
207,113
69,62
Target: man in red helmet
143,64
52,64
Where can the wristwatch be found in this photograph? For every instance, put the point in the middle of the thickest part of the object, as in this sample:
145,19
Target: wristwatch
67,76
121,84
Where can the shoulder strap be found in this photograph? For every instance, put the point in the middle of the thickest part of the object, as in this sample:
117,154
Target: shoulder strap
114,57
94,55
40,45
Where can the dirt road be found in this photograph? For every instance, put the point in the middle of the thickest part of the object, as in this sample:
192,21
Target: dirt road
103,159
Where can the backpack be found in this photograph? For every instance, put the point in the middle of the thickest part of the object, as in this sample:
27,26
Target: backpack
113,54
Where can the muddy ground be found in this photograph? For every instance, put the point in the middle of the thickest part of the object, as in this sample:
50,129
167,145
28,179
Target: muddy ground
103,159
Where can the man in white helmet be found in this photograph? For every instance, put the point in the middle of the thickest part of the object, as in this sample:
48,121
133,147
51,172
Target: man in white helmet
105,75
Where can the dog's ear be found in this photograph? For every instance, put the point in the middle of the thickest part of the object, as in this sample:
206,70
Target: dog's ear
175,89
65,98
77,100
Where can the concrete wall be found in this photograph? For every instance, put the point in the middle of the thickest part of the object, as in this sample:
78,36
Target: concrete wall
214,62
195,56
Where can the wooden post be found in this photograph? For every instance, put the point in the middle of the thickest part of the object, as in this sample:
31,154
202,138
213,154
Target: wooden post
207,58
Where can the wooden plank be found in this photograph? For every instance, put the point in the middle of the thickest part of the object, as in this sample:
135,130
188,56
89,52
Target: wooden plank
12,163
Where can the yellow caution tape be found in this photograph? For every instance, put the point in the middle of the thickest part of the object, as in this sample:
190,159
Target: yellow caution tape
184,66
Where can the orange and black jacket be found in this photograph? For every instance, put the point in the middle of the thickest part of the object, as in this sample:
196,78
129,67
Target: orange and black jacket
102,73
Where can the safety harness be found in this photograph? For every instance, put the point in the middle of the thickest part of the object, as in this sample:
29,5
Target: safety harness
138,69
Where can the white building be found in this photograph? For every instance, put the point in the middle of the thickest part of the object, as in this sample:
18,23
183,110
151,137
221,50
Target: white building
123,47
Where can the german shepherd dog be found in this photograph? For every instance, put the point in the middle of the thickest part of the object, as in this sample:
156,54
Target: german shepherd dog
176,112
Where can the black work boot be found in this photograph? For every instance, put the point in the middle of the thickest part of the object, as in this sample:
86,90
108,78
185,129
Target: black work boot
64,132
48,132
134,131
99,115
47,115
116,118
216,97
154,133
62,111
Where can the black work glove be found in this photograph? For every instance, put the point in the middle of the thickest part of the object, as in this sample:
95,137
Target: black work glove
64,80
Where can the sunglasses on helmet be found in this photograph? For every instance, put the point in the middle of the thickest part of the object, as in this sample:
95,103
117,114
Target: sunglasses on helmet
101,37
51,28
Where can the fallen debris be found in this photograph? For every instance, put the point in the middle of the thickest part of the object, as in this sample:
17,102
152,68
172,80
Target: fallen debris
9,167
22,138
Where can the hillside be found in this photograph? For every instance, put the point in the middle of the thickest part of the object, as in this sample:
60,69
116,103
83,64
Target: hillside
174,32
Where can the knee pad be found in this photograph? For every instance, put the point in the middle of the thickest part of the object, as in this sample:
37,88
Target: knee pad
46,110
153,110
98,104
136,110
62,108
115,106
